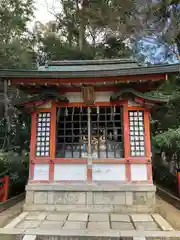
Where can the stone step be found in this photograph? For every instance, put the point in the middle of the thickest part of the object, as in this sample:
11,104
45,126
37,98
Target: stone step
39,234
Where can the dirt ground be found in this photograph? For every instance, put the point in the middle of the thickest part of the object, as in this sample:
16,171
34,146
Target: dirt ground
9,214
169,212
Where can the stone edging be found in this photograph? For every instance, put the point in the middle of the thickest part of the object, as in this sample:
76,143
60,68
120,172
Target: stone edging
94,187
87,233
12,201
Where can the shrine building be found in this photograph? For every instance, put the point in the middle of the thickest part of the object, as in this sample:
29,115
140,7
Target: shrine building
90,144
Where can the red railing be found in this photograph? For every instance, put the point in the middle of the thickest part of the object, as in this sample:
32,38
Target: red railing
4,185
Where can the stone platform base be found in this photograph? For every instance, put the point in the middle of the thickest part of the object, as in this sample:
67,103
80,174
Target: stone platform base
94,197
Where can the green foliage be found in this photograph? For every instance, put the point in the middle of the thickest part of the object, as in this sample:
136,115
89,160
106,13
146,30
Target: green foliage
166,123
16,50
163,177
16,166
169,139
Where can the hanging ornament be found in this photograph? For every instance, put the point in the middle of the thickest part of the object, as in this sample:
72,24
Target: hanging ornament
97,112
114,109
72,114
58,115
112,114
66,112
115,134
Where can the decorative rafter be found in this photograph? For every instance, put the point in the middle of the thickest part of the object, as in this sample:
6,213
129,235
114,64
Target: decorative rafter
40,98
139,97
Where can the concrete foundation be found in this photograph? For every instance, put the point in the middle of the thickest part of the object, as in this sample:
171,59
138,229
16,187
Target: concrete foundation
94,197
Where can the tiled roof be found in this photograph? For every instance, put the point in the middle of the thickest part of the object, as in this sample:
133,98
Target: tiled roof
90,69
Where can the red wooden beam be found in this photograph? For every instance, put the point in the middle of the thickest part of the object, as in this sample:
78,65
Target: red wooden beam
89,80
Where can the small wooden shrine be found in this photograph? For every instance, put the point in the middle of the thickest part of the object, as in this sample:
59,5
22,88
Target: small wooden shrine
90,137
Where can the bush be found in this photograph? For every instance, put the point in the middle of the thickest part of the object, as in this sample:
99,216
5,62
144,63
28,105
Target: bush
163,177
16,166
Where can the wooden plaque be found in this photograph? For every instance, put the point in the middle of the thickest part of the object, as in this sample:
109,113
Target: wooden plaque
88,95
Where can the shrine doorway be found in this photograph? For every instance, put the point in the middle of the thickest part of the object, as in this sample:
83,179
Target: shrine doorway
90,131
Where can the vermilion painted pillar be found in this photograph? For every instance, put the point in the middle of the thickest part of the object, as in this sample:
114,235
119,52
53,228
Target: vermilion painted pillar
52,141
178,179
6,187
147,133
148,143
32,145
126,141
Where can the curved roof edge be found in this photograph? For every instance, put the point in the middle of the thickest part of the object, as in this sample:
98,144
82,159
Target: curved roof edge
41,96
118,95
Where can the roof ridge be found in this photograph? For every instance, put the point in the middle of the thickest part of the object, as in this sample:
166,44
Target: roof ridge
90,62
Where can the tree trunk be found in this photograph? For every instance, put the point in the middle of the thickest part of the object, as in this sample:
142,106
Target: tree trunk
6,106
178,45
81,35
82,25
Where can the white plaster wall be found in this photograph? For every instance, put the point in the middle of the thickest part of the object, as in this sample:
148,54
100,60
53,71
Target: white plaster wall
103,96
74,96
139,172
99,96
47,105
41,172
132,103
108,172
68,172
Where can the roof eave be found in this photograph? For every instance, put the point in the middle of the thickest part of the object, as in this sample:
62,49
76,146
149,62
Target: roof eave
139,95
170,69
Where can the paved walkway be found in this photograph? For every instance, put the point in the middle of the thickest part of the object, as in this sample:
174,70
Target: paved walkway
33,224
92,221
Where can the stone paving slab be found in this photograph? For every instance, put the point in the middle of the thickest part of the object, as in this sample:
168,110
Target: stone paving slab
29,224
78,217
119,218
122,226
16,220
36,216
103,226
74,225
57,217
165,226
51,224
29,237
139,238
146,226
99,217
141,218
